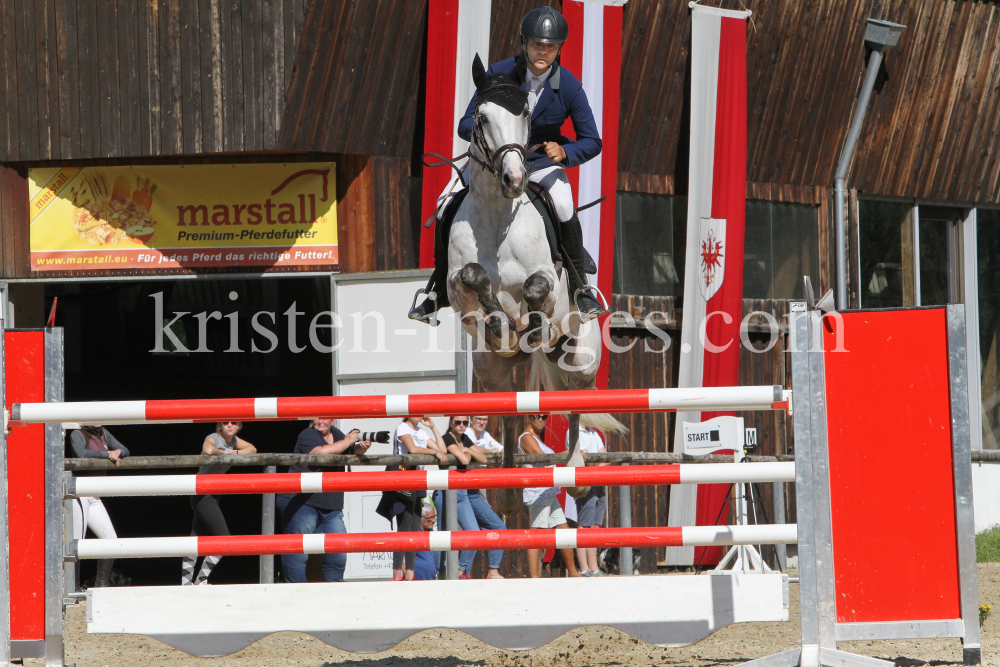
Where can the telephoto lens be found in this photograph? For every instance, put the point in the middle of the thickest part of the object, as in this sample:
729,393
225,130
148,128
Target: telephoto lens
375,436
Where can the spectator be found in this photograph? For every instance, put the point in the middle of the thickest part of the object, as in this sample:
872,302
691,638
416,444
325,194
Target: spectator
474,513
424,562
308,513
208,517
541,501
405,506
482,437
94,442
591,508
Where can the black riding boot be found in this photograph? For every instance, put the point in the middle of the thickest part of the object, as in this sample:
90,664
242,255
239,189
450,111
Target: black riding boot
437,289
572,245
103,572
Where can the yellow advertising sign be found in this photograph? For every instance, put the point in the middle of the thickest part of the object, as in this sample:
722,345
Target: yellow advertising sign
183,216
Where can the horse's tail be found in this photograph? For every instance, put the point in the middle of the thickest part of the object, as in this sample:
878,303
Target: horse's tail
604,422
541,376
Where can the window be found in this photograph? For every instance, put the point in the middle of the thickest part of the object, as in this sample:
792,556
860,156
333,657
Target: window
988,275
781,246
884,229
649,244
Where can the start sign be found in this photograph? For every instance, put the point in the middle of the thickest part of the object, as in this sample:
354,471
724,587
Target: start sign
713,435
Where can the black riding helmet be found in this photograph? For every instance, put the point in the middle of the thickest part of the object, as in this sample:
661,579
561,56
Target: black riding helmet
545,25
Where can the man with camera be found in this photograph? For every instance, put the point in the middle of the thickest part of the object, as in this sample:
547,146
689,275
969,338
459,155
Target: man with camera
305,513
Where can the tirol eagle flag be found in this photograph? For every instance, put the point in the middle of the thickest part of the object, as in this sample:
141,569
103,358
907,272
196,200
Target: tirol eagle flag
457,31
713,274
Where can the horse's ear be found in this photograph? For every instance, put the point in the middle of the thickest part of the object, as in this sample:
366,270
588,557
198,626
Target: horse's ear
478,72
520,71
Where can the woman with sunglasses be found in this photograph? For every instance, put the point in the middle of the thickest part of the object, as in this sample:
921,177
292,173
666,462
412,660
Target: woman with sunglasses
542,503
208,517
474,513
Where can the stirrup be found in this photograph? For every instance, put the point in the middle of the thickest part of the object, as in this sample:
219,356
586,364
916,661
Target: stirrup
431,296
605,310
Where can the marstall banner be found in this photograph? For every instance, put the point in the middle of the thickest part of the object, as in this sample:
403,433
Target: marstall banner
713,272
183,216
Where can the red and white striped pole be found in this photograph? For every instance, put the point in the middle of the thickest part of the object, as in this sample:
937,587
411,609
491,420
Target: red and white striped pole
252,545
431,480
402,405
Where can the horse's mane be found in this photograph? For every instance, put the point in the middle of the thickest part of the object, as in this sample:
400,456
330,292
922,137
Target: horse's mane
501,89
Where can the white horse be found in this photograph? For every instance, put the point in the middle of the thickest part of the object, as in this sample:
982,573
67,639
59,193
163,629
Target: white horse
501,278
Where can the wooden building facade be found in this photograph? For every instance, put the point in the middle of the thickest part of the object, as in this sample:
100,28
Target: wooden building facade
195,81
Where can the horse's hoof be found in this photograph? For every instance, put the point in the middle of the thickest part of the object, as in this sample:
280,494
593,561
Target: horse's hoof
509,501
578,491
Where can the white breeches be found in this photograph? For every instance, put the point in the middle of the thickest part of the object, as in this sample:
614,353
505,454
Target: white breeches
553,179
90,513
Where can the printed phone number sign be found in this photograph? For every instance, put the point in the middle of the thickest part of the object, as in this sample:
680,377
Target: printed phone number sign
183,216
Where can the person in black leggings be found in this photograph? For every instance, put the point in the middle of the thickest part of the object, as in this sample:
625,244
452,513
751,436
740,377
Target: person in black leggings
208,517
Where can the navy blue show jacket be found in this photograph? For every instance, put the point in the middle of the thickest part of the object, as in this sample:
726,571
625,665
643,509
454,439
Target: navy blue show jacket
562,97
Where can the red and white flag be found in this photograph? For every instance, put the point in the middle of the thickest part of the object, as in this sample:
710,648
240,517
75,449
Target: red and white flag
459,29
713,273
456,31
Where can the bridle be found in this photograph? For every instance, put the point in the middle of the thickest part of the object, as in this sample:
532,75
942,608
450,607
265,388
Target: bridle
479,140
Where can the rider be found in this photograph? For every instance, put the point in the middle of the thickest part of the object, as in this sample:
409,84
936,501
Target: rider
554,95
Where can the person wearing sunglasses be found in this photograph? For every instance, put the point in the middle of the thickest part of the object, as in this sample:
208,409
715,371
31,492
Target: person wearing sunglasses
208,517
543,505
474,512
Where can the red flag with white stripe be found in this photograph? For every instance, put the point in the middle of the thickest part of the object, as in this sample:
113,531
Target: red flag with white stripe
456,31
713,274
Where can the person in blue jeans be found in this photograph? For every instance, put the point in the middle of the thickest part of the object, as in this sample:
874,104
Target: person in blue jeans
305,513
474,513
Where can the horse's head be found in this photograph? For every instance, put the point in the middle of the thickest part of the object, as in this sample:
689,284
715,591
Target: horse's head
500,128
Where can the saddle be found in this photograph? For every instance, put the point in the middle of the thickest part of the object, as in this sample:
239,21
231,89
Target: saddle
542,202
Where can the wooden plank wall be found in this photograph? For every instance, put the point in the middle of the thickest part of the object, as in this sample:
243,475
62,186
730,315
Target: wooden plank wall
354,88
132,78
127,78
931,126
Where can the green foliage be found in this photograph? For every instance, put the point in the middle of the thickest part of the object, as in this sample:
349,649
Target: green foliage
988,546
984,612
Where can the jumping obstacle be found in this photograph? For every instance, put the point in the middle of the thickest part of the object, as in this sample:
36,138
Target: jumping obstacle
437,540
902,387
402,405
430,480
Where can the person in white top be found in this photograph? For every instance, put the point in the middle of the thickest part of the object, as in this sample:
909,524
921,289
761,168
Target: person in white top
482,437
543,505
591,508
410,439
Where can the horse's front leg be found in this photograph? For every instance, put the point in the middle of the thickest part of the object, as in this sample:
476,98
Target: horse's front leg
574,457
509,500
537,292
499,328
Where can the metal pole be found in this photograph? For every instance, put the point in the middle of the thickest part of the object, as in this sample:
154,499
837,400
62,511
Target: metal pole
625,521
845,162
267,528
54,531
779,517
451,523
71,571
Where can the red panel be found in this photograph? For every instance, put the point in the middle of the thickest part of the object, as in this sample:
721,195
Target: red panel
439,111
25,377
892,492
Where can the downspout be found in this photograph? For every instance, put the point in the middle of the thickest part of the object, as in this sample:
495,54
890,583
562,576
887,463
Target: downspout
880,36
